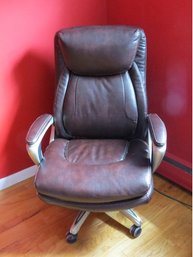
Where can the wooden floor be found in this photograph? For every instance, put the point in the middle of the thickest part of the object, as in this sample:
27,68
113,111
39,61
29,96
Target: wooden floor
29,227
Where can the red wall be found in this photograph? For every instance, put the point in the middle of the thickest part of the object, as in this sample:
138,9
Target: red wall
168,28
27,66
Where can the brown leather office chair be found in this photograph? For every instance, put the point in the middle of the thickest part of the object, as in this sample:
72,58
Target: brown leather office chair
104,146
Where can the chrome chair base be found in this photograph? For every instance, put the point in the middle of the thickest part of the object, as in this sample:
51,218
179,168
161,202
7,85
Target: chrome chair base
130,214
71,236
135,230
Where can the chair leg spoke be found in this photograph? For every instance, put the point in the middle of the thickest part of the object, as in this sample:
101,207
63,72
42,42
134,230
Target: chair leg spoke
71,236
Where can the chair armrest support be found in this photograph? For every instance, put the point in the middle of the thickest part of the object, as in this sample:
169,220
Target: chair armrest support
35,135
158,137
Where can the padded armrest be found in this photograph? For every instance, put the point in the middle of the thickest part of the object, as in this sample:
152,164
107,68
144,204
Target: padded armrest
157,139
157,130
37,128
35,135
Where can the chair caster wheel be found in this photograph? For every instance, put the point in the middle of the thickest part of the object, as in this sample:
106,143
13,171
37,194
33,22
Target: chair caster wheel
71,238
135,231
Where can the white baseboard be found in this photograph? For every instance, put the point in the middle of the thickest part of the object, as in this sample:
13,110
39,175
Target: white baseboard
17,177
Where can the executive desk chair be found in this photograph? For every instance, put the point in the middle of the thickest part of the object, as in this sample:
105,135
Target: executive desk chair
104,145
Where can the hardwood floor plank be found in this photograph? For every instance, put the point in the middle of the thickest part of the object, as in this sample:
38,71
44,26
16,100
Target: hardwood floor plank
29,227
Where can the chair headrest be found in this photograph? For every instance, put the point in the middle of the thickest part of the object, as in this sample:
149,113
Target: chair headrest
98,50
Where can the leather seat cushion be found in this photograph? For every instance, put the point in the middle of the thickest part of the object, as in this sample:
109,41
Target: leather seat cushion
95,171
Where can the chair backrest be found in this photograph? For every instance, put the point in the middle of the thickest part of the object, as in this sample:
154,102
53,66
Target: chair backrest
101,82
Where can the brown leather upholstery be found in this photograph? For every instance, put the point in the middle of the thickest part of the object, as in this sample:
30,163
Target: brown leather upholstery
110,109
95,170
100,207
116,105
99,51
100,159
